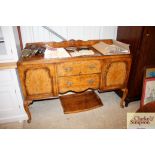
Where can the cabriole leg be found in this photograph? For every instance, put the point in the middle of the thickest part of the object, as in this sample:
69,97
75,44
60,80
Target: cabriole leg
26,107
125,92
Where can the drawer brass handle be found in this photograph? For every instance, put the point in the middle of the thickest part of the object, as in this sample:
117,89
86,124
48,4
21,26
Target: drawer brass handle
68,69
69,83
92,66
91,81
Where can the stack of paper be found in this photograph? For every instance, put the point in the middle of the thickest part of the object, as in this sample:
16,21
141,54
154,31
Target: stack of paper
115,48
82,53
56,53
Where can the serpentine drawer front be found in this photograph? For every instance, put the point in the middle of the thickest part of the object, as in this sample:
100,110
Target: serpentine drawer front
82,78
78,83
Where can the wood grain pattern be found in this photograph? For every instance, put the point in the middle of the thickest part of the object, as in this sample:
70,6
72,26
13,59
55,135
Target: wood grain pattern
78,83
80,102
90,67
65,44
69,68
38,81
79,67
116,74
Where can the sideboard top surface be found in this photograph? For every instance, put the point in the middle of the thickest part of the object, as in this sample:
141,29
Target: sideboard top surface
64,44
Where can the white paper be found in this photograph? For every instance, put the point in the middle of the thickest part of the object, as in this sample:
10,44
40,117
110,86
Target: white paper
57,53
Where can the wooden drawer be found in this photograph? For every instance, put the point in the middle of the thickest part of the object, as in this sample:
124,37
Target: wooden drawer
69,83
90,81
91,66
68,68
78,83
79,67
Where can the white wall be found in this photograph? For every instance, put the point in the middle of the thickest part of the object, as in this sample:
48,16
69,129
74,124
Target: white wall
39,34
1,35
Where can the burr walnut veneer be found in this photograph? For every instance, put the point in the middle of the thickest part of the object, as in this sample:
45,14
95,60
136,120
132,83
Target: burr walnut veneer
47,78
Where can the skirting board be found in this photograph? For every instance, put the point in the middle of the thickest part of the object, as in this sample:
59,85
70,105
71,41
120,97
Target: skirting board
17,118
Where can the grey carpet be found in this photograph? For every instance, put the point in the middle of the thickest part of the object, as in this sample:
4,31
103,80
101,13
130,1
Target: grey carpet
49,114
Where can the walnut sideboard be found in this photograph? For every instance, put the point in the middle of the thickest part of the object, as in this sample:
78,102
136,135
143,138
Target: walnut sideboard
47,78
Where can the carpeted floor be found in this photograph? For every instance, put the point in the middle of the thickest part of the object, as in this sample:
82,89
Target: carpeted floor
49,114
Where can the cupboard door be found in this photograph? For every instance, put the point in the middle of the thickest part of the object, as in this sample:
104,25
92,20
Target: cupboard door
37,80
115,74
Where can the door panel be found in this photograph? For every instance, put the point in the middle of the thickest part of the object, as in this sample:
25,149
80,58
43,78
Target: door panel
115,74
37,80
